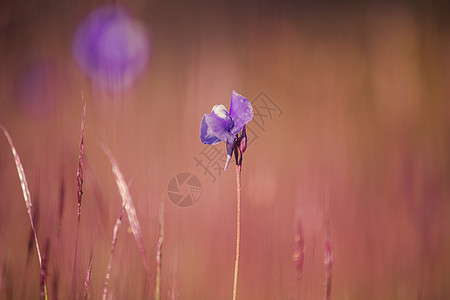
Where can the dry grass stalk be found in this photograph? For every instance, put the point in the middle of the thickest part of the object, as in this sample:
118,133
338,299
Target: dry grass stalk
159,252
26,195
127,202
36,216
44,271
79,195
113,246
81,163
56,271
299,245
328,261
88,278
328,253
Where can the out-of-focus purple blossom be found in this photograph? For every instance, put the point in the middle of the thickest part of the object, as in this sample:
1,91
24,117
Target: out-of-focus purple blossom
220,125
112,48
35,89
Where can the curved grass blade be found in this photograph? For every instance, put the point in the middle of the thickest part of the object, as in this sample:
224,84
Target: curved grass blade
127,202
26,197
113,246
79,195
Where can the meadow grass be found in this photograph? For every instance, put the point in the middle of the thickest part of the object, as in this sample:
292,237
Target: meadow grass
159,251
88,278
113,246
127,202
79,196
27,198
129,209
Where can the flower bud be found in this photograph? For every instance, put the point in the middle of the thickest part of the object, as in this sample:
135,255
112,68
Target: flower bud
243,140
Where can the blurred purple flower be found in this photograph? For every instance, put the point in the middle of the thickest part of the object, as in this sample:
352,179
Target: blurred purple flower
35,89
112,47
220,125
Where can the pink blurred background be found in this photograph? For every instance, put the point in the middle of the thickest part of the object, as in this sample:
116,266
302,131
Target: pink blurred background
362,143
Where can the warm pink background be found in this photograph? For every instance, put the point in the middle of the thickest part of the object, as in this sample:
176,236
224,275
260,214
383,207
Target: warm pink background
365,93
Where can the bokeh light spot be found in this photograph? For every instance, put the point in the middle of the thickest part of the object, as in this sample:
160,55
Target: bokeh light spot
112,48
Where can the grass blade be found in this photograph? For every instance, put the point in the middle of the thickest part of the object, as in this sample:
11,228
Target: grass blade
113,246
328,261
26,195
88,278
159,252
299,246
79,195
44,271
127,202
328,253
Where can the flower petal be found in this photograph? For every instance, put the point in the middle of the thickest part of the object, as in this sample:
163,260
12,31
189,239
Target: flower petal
241,111
230,147
215,127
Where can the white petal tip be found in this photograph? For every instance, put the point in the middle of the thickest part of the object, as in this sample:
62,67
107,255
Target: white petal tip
227,162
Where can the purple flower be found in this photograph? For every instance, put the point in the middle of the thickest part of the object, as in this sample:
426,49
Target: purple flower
220,125
112,47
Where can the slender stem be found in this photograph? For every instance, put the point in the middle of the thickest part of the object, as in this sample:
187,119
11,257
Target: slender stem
79,193
75,259
26,197
159,252
238,228
88,278
113,246
328,261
